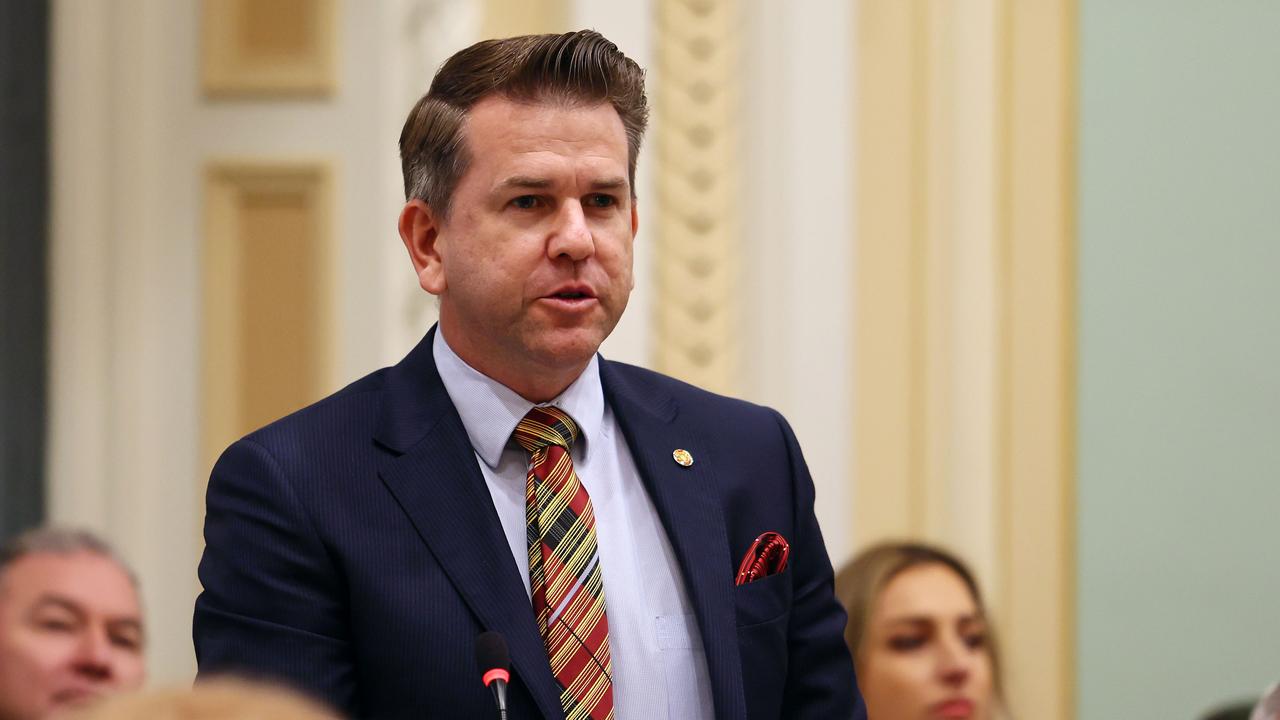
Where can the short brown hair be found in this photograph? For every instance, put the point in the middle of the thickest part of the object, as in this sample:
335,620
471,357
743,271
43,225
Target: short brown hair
580,67
860,582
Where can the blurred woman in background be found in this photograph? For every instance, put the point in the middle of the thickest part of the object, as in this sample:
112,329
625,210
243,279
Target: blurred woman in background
920,636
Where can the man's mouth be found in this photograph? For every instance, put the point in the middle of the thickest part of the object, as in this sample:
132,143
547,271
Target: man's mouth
76,696
571,292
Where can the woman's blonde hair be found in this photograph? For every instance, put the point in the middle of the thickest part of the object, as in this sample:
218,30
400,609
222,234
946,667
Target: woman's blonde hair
860,582
223,699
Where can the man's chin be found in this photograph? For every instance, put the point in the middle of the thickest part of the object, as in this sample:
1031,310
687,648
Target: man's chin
567,350
67,701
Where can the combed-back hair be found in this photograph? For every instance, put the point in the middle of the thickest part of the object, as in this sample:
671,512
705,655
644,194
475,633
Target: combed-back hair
60,541
577,68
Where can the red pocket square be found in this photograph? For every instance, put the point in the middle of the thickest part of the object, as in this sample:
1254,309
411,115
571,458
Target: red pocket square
767,556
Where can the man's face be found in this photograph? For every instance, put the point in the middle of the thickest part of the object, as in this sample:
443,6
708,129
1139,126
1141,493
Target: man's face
70,631
535,259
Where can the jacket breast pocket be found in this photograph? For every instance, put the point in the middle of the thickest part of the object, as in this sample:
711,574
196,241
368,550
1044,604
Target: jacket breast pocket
764,600
764,614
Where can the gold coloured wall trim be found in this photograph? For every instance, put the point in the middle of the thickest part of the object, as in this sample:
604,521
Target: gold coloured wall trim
964,292
268,48
268,296
925,289
696,111
888,318
1037,439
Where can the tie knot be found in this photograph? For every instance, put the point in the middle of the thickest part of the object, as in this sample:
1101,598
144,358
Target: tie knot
546,425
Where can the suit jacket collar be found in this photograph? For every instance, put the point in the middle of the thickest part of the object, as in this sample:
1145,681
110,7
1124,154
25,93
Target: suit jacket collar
432,472
414,399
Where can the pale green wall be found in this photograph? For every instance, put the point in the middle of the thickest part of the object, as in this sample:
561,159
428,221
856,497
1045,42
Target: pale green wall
1179,355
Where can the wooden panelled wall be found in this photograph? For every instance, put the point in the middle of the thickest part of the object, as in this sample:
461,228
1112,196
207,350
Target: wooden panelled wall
963,309
268,295
269,326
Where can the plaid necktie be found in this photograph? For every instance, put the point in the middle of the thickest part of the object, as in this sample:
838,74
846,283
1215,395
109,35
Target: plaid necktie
564,567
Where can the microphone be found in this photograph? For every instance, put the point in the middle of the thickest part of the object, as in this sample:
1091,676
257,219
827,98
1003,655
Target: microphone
494,661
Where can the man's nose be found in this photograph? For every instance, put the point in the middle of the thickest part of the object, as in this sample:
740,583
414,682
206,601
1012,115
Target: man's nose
571,237
94,656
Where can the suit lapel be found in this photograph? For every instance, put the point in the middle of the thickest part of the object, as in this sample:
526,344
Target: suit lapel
432,473
689,506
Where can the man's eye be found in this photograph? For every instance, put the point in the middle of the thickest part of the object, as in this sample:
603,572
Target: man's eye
127,642
56,624
600,200
525,202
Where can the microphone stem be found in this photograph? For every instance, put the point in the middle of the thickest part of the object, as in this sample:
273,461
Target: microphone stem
500,698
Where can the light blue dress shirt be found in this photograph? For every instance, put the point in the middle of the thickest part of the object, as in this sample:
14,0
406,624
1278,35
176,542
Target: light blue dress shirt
659,668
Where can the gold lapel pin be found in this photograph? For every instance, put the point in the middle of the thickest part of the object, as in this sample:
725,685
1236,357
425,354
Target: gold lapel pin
682,457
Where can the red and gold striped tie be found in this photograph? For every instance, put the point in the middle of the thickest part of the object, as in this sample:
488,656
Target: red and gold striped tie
564,567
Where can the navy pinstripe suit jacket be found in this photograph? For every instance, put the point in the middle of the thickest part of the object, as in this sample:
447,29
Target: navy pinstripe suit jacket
353,550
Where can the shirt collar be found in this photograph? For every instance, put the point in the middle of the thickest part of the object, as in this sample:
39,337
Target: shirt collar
491,410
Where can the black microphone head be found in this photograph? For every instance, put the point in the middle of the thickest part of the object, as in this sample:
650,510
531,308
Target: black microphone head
491,652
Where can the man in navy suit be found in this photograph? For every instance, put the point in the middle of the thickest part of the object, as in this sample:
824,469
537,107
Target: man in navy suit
358,547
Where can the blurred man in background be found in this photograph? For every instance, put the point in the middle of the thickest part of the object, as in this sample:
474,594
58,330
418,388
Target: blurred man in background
71,627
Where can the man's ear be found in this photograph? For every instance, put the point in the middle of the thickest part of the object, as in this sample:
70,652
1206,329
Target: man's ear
420,231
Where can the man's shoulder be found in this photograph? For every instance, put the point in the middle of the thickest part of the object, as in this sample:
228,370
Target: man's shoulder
642,383
354,407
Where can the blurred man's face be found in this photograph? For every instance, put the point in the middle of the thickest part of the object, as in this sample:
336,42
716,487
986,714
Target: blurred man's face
70,631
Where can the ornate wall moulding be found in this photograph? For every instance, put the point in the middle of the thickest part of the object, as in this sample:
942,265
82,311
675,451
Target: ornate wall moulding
268,48
268,295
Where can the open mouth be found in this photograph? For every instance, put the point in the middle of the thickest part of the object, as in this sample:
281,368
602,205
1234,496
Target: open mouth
571,293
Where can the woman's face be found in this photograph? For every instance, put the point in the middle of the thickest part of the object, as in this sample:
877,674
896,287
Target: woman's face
924,653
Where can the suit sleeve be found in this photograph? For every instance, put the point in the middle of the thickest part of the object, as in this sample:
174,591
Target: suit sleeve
273,601
820,676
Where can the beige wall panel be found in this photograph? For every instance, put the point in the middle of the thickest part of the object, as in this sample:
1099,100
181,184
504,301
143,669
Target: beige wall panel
268,293
888,316
925,263
506,18
957,287
974,502
1038,443
279,295
268,47
964,334
937,298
